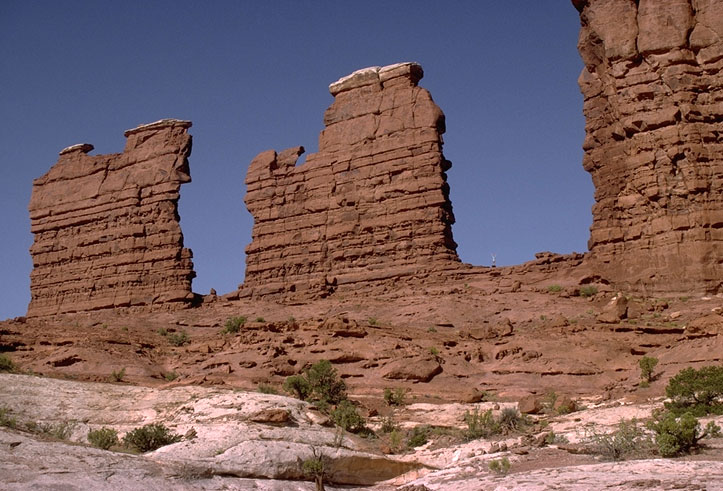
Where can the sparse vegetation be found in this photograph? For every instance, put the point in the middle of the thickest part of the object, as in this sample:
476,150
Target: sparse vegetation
553,438
170,376
298,386
499,466
588,291
150,437
233,325
510,420
432,329
313,468
346,416
418,436
118,375
679,435
6,364
320,384
554,288
699,392
260,319
373,321
389,424
178,338
58,431
484,424
267,389
394,397
103,438
6,419
433,351
647,366
627,442
162,331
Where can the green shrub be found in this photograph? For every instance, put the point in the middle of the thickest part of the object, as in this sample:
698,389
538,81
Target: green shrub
6,364
162,331
233,325
554,288
418,436
373,321
554,438
298,386
628,441
699,392
6,419
170,376
510,420
679,435
314,468
588,291
117,375
647,366
394,397
59,431
260,319
150,437
433,351
501,466
103,438
389,424
325,383
178,338
267,389
480,425
346,416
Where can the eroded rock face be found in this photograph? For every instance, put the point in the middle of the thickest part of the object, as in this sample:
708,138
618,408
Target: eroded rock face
653,92
372,204
106,227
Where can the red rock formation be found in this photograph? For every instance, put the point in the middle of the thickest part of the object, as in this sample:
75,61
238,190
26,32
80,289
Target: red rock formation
372,204
653,90
106,227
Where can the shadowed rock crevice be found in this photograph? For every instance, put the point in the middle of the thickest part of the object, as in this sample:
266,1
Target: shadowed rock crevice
106,227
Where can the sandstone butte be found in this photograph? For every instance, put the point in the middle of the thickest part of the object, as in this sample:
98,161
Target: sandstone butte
106,227
372,205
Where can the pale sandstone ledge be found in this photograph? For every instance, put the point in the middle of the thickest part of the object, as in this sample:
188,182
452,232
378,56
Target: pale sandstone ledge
79,147
376,75
157,125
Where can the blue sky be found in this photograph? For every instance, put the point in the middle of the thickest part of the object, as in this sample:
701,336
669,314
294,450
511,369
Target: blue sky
254,75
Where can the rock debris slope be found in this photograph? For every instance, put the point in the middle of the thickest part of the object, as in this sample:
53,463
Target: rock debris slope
106,227
372,204
653,93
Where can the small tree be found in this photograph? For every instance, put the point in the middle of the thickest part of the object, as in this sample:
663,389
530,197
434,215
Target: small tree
325,383
298,386
346,416
647,365
697,391
676,436
313,468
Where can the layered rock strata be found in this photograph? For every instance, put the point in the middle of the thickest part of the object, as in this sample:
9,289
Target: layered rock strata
653,91
371,205
106,227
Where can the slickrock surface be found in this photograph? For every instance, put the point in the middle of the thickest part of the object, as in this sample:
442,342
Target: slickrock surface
372,204
653,90
106,227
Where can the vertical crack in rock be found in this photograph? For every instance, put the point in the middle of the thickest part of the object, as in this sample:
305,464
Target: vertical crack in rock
106,228
653,104
375,204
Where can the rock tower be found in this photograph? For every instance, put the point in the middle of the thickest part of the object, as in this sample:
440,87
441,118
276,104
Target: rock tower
106,227
371,205
653,91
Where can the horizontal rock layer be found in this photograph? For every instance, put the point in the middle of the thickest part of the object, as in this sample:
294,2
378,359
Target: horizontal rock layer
372,204
653,91
106,227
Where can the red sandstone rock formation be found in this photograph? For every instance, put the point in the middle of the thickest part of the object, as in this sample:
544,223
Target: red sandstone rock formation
106,227
653,90
372,204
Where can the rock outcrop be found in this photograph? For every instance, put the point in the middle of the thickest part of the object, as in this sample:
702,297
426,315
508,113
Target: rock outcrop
653,90
106,227
372,204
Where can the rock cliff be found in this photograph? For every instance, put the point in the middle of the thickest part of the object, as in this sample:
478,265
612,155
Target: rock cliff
371,204
653,91
106,227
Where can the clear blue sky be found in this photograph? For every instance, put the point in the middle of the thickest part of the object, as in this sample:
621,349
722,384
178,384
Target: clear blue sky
253,75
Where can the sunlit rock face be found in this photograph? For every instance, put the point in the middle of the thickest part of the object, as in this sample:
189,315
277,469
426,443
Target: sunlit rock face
653,91
106,227
372,205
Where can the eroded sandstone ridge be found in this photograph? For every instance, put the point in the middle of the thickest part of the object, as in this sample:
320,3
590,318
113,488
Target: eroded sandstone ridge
106,227
371,204
653,90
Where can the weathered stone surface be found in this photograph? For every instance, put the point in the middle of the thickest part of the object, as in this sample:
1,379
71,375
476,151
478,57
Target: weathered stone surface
106,227
372,204
653,94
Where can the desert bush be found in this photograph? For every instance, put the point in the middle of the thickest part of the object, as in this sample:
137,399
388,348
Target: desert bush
260,319
326,386
554,438
103,438
117,375
6,364
588,291
554,288
233,325
6,419
627,442
480,425
510,420
699,392
59,431
418,436
647,366
298,386
150,437
389,424
394,397
346,416
170,376
500,466
267,389
313,468
178,338
679,435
